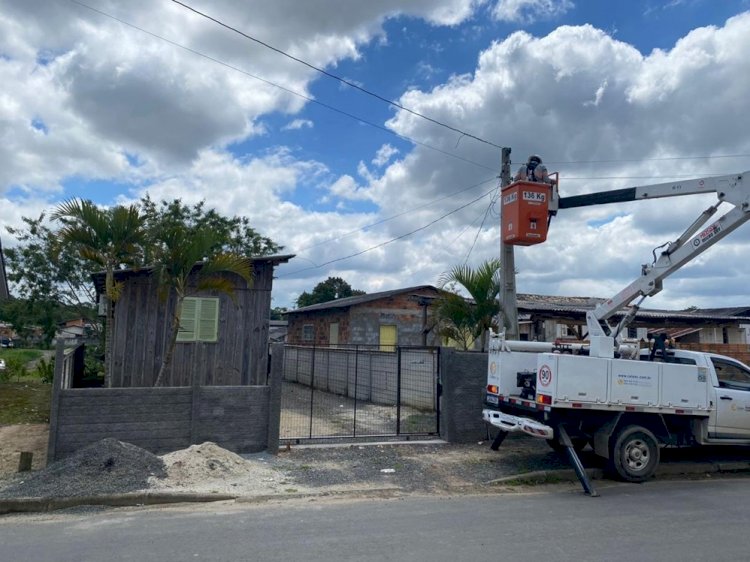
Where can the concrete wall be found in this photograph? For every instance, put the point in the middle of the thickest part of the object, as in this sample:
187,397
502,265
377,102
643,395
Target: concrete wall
463,376
243,419
368,375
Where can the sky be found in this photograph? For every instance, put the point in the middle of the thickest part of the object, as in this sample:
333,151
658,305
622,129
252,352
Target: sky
111,101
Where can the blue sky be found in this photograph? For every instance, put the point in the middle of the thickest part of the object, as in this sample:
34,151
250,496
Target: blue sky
95,108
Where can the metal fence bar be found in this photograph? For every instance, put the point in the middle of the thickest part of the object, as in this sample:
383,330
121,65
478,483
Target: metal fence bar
356,390
398,386
398,391
312,392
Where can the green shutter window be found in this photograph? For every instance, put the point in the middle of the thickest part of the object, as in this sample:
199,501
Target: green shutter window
187,320
199,320
208,320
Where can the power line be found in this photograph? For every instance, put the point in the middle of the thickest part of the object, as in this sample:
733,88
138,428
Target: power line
283,88
339,78
665,158
405,137
481,226
392,239
377,223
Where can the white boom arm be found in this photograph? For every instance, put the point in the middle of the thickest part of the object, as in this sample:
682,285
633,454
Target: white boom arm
694,241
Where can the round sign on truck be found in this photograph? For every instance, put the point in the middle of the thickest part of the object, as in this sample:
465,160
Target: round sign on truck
545,375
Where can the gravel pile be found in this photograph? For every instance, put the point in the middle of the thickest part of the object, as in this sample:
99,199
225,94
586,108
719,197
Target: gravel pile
108,466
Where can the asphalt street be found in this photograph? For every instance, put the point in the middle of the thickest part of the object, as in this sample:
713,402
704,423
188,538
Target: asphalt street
660,520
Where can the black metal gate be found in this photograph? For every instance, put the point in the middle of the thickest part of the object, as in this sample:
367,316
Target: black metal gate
353,392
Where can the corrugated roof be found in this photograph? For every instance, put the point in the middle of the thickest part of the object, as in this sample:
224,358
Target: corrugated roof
359,299
581,305
99,277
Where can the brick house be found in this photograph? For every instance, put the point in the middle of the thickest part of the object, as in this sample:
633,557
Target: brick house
399,317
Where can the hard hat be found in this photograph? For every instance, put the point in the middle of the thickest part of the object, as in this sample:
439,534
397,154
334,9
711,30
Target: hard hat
535,157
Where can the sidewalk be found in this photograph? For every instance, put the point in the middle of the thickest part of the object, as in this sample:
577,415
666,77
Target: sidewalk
374,470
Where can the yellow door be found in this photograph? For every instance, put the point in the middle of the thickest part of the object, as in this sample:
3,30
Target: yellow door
333,334
388,337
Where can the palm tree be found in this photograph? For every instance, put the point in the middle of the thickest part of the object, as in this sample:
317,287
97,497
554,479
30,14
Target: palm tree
463,320
184,265
109,237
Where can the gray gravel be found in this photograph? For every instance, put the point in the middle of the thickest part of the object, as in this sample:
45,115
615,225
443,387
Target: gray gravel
105,467
414,468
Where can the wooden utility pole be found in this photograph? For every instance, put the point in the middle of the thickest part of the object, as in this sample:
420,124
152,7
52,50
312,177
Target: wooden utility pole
4,292
508,298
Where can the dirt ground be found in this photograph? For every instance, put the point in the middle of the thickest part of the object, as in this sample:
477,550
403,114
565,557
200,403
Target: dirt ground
15,439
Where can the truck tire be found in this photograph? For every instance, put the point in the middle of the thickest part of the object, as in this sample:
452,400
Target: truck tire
635,454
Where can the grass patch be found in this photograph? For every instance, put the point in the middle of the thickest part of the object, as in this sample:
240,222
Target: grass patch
419,423
24,402
22,355
24,399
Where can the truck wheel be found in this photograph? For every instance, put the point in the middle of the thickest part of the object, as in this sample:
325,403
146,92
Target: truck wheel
635,454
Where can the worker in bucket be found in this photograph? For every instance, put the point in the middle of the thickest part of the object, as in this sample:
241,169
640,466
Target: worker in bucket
534,171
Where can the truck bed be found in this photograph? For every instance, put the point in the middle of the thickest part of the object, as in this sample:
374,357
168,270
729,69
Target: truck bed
570,381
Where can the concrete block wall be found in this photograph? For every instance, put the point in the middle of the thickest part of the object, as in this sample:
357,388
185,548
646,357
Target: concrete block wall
463,377
161,420
371,375
243,419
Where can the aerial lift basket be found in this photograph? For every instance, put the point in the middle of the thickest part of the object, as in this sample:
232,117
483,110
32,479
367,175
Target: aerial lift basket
525,213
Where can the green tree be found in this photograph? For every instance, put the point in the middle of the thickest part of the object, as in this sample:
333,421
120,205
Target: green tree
178,248
277,312
464,320
50,278
234,235
331,289
110,238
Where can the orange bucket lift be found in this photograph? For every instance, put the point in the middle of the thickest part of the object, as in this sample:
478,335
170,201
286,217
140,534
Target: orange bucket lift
525,212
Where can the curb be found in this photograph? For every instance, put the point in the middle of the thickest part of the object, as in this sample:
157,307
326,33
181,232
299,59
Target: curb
30,505
569,475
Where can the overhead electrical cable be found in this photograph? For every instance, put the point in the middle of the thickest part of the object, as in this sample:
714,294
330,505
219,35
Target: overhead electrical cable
283,88
659,159
400,237
339,78
481,226
387,219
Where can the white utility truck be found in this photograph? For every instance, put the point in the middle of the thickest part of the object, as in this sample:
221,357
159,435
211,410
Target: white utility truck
625,402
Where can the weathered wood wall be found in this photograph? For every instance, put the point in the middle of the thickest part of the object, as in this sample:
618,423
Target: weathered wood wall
142,330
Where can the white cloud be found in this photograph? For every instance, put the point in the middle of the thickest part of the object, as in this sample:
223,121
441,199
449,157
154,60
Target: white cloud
643,107
105,89
384,154
528,11
124,106
298,124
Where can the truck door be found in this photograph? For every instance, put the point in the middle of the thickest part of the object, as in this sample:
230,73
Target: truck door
732,399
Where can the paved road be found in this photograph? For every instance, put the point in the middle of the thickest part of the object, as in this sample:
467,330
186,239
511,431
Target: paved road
700,520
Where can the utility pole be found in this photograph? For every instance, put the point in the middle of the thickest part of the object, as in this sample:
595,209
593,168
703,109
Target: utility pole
4,291
508,298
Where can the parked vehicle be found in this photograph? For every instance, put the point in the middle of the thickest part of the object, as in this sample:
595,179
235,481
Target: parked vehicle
6,342
2,364
624,402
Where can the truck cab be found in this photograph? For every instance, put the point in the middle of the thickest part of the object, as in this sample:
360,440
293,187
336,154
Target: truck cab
729,393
